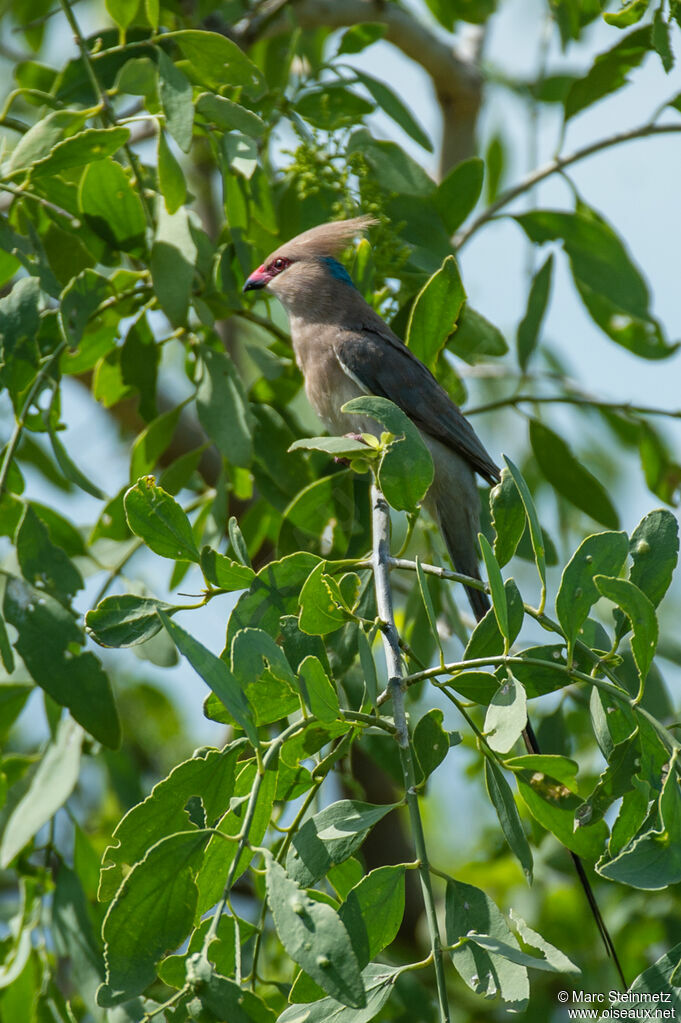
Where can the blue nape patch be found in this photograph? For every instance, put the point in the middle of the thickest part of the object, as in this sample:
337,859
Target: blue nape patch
338,271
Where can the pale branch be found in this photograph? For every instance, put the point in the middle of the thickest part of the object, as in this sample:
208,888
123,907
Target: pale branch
627,408
456,78
555,166
380,517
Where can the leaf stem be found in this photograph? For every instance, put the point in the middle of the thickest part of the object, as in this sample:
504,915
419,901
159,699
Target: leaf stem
396,686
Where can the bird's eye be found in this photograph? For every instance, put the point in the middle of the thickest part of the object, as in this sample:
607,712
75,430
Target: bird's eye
280,263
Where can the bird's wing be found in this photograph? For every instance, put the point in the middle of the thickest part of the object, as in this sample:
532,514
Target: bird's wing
382,365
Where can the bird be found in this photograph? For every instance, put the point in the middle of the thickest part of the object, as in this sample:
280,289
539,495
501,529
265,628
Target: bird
345,349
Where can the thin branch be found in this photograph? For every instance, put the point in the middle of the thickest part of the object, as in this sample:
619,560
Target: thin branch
567,399
554,167
391,645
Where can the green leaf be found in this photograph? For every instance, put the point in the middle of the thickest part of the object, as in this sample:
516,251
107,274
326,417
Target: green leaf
368,667
157,518
372,911
314,937
47,637
501,948
227,1000
661,40
628,14
378,983
122,11
435,312
217,61
223,409
428,605
321,603
173,256
654,550
406,470
111,205
254,652
240,153
553,805
563,769
500,794
42,562
393,169
317,689
475,337
598,259
652,861
608,72
617,779
152,442
177,100
600,554
339,447
274,592
332,107
479,686
459,191
468,909
220,854
153,912
329,837
209,776
238,543
50,787
569,477
393,106
552,955
640,612
74,935
215,674
79,301
660,978
496,585
20,314
532,520
221,571
508,517
537,301
170,176
487,639
506,716
87,147
139,360
359,37
430,743
41,138
229,116
71,470
125,620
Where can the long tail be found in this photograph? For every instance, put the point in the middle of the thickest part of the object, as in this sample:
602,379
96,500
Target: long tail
460,545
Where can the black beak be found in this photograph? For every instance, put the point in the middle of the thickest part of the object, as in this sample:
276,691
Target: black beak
254,283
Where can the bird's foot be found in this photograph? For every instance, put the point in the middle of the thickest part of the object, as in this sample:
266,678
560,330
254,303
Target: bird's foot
351,436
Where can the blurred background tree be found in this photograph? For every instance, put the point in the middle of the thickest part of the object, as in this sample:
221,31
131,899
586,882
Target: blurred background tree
147,169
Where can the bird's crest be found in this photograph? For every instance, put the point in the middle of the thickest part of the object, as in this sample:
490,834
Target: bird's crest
326,239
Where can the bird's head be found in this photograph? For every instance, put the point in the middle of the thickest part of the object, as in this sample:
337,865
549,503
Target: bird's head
307,264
